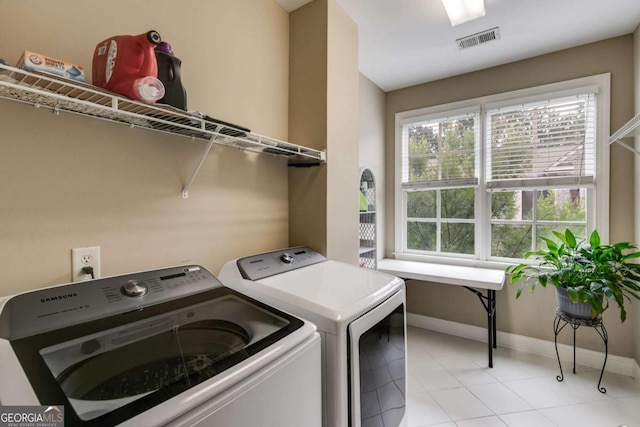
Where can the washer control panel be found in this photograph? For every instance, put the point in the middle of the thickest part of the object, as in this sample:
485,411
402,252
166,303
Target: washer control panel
258,267
60,306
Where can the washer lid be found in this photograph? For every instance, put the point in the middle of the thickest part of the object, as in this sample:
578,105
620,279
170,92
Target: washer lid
329,290
109,370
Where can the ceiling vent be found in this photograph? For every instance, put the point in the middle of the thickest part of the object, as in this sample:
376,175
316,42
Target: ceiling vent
478,38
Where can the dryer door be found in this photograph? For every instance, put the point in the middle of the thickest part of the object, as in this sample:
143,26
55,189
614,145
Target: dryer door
377,365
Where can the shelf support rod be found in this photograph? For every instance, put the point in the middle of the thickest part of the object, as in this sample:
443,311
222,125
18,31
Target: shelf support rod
625,146
205,153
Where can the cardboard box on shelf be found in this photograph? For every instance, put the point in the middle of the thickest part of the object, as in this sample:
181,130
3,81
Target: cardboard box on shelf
31,61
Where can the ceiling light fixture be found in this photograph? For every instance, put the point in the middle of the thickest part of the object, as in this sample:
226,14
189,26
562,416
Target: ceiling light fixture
461,11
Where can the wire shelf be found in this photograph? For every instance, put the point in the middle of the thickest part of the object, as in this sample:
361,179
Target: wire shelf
59,94
367,224
368,263
629,129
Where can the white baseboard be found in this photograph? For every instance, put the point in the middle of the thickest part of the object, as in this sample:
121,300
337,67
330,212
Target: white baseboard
616,364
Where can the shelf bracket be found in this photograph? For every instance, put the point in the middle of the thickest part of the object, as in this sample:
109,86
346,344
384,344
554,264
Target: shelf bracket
205,153
625,146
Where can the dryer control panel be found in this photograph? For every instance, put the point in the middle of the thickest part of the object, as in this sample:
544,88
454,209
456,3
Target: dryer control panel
269,264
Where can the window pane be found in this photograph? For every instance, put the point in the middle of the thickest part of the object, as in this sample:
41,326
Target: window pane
421,204
580,231
458,238
515,205
553,138
421,236
561,205
458,203
441,149
510,241
504,204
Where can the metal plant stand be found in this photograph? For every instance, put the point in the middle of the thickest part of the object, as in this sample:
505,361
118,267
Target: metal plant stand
562,319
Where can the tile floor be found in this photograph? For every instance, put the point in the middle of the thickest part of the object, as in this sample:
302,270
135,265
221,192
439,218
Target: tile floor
449,384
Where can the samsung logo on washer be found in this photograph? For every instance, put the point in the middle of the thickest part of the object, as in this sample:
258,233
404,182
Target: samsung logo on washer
58,297
32,416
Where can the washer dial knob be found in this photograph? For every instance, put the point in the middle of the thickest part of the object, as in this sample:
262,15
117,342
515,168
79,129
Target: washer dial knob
286,258
133,288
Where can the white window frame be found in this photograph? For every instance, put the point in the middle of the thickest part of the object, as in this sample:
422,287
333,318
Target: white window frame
598,206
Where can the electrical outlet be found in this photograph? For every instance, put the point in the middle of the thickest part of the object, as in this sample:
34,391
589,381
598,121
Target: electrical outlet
85,257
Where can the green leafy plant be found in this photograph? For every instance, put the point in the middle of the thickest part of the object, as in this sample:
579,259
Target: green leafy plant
591,272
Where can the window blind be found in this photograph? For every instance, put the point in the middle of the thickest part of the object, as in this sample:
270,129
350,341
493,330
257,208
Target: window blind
440,152
542,143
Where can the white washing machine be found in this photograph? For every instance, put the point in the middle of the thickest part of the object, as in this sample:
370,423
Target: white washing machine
360,314
165,347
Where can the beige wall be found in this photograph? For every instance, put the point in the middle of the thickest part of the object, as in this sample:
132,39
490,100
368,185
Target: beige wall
324,115
372,146
69,181
308,123
532,314
342,136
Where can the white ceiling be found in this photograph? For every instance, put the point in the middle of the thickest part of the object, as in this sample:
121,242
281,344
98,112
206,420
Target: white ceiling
407,42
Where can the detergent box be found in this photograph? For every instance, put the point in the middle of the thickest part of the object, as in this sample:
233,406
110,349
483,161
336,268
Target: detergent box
31,61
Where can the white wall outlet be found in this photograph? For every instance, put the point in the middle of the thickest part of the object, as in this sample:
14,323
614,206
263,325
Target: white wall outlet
85,257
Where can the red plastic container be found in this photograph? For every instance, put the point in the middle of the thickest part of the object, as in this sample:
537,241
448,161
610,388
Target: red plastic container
127,65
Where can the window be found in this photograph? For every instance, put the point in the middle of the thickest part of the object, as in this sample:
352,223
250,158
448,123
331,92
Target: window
484,179
440,179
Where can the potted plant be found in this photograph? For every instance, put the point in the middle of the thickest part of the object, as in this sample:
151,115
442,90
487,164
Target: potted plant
586,274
